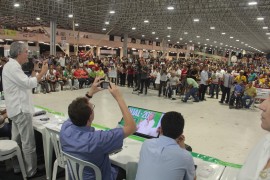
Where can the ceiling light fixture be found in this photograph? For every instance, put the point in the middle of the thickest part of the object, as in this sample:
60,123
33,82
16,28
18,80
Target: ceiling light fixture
177,42
112,12
133,28
260,18
146,21
169,27
70,15
170,8
169,40
16,5
231,37
185,33
180,39
169,36
143,35
207,39
223,33
237,40
107,22
212,28
265,27
196,20
76,24
153,32
104,29
38,18
198,36
156,37
253,3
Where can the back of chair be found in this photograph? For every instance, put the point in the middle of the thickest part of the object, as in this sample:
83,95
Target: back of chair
54,135
76,167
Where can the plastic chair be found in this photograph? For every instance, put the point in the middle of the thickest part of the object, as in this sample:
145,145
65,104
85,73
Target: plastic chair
76,167
60,159
9,149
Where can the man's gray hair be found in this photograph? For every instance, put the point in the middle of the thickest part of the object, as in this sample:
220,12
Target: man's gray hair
17,48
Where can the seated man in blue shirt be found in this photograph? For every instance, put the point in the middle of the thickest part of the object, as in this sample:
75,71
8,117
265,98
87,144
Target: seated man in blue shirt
79,139
237,95
166,157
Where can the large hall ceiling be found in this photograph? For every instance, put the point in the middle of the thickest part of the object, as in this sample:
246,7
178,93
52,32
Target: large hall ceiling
234,17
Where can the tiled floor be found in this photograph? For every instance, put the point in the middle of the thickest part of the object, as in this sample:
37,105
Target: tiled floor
211,129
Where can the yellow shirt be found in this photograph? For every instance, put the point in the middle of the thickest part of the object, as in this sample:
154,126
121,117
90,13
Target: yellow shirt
251,91
261,80
242,78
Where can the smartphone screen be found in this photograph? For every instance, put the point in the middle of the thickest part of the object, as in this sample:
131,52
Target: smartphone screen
105,85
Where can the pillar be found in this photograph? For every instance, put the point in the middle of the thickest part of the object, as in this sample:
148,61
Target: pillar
125,45
98,51
52,37
155,54
121,53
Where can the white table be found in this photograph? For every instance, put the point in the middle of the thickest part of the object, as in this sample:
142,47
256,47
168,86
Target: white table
230,173
207,170
41,126
126,159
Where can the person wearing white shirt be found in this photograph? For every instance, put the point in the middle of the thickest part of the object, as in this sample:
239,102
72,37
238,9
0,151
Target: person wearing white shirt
203,83
257,164
17,88
62,62
146,125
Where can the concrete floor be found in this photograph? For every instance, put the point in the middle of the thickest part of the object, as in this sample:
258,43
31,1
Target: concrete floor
211,128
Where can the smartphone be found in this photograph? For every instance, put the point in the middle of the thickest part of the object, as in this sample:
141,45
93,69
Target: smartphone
44,119
105,85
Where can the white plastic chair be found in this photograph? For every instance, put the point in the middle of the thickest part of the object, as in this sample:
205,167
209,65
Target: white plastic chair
76,167
60,159
9,149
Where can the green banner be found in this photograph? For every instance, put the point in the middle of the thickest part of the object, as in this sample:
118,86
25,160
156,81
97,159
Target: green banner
196,155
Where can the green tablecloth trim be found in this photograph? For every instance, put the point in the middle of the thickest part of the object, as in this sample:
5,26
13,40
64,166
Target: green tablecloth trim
50,111
196,155
214,160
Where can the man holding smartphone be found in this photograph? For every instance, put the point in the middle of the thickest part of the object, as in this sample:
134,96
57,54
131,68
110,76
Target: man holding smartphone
79,139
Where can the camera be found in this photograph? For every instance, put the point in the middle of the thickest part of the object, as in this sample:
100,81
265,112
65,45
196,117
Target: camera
105,84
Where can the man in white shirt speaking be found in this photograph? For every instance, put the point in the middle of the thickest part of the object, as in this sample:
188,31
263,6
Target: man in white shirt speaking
17,89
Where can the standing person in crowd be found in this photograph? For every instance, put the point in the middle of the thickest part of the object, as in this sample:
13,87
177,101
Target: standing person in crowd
62,62
203,83
122,72
163,80
17,88
130,74
166,157
138,72
257,164
144,76
228,81
157,81
214,86
94,145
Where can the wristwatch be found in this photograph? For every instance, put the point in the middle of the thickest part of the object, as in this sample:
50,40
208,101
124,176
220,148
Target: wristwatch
88,96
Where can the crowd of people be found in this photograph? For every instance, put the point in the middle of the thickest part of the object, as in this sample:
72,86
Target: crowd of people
172,160
173,79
